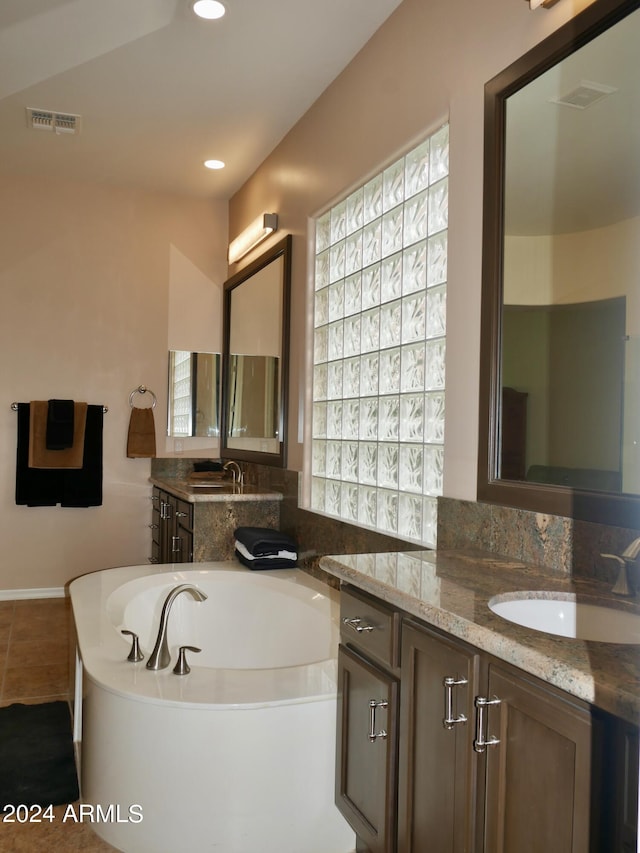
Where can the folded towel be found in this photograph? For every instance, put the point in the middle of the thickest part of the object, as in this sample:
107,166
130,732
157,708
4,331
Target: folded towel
263,563
208,465
206,476
60,418
39,456
263,541
141,438
281,555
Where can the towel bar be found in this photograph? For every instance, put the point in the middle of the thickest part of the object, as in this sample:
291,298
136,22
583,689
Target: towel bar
142,389
14,406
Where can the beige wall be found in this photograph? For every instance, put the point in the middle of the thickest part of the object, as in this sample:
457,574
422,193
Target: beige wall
428,63
85,273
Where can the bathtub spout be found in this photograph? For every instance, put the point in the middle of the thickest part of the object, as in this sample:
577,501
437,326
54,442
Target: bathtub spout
160,657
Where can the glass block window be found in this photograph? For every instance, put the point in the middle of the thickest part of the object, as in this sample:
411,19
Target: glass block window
380,294
180,371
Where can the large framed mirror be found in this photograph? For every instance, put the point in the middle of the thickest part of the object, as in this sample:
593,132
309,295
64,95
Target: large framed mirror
560,357
255,359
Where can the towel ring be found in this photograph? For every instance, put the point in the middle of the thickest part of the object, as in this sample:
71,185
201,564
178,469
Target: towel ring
142,389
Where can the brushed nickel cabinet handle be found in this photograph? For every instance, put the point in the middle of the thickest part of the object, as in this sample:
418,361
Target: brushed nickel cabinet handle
356,626
449,721
373,734
481,741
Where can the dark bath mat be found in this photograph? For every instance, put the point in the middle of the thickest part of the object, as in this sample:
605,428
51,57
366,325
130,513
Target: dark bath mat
37,764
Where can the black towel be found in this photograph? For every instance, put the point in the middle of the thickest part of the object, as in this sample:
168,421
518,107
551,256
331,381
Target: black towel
270,563
262,541
72,487
60,424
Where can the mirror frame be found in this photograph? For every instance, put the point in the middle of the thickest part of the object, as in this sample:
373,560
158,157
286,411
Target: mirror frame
620,510
276,460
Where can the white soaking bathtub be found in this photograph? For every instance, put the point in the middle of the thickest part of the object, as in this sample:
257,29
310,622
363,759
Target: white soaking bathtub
237,756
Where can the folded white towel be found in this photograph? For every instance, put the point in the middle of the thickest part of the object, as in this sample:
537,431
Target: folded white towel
281,555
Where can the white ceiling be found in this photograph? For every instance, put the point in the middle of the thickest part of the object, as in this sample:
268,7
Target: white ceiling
160,91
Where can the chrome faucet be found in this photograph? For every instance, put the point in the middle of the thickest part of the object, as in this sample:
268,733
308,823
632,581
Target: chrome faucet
160,657
236,470
625,585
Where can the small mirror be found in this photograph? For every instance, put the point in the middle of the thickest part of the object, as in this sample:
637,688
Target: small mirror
194,394
560,398
255,359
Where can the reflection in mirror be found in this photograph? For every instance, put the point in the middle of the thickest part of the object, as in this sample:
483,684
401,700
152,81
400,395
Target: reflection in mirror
255,359
253,400
194,394
561,280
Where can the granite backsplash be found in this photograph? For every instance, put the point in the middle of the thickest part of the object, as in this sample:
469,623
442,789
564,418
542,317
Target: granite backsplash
561,544
568,547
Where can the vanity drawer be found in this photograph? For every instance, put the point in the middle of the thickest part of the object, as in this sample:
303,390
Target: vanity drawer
184,513
370,626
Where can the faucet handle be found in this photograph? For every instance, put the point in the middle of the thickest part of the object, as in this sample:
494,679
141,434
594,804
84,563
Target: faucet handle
135,654
182,667
632,551
623,585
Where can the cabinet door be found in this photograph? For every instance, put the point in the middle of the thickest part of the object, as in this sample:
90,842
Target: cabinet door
366,750
539,774
625,787
155,527
183,532
437,765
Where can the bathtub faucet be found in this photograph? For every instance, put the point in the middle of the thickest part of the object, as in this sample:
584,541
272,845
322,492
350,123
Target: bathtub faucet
160,657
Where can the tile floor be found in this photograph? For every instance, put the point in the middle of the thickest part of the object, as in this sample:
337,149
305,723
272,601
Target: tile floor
34,667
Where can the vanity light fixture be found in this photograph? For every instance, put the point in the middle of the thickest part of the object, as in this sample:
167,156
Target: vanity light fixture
255,233
209,9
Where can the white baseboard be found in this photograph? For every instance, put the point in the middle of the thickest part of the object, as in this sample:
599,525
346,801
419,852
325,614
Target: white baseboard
19,594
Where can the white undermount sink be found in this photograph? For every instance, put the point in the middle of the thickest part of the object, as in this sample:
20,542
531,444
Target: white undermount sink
566,615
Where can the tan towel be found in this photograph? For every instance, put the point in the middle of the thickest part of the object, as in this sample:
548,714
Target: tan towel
39,455
204,476
141,440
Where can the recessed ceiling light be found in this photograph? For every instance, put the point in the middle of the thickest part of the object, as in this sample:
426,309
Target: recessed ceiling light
208,9
214,164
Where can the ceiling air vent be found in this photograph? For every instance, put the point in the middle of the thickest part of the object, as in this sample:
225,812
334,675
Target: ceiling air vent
57,122
585,95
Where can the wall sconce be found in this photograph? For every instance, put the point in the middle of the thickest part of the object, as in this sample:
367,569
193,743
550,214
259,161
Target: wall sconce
534,4
255,233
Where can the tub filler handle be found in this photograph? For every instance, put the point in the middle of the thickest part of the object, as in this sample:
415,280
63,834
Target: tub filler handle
135,655
182,667
160,657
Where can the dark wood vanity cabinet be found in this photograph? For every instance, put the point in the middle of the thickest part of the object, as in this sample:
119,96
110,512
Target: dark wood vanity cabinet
366,737
171,528
490,759
367,722
439,781
544,783
626,750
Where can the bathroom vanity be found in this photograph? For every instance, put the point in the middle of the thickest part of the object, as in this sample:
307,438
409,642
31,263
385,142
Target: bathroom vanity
458,730
191,523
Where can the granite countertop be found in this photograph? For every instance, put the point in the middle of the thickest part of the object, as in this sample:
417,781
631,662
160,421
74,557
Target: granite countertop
216,491
450,591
